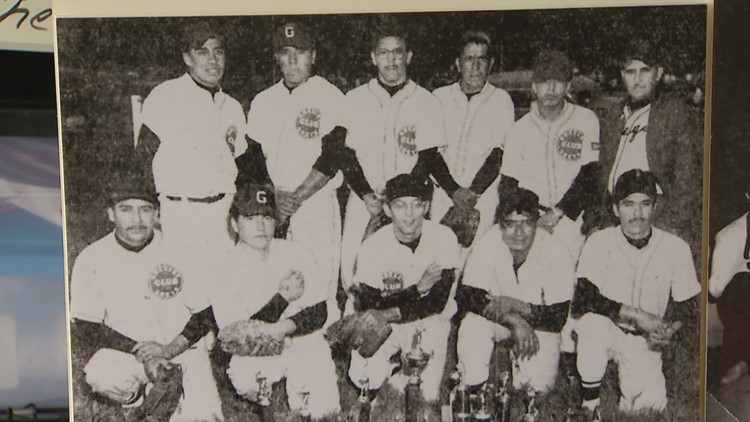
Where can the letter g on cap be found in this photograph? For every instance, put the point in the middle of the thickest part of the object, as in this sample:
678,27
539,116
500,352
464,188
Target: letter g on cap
260,197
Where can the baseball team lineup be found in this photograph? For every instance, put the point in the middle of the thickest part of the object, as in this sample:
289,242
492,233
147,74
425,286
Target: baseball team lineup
476,265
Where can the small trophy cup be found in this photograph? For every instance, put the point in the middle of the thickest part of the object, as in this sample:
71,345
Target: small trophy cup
532,413
304,412
361,412
416,361
573,398
502,402
264,398
482,404
459,398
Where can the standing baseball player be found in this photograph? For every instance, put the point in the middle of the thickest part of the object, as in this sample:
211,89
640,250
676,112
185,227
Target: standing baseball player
192,131
636,288
128,294
517,285
729,282
298,122
395,126
553,151
405,273
660,133
477,116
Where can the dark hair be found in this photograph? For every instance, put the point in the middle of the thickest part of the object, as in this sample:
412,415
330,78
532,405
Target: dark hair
521,201
390,29
196,33
474,37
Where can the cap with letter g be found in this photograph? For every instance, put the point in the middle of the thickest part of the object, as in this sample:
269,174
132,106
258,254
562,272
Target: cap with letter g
252,200
635,181
292,34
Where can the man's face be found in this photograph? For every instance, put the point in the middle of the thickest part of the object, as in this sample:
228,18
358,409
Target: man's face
296,65
640,79
550,93
407,213
474,65
206,64
255,231
635,212
134,220
391,58
518,231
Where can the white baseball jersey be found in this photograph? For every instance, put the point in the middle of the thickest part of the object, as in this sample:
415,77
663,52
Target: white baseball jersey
546,156
244,284
146,295
730,255
388,265
387,132
642,278
200,136
545,278
290,125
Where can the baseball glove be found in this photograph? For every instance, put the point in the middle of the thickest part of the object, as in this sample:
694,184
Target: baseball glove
363,331
248,338
464,222
375,223
162,400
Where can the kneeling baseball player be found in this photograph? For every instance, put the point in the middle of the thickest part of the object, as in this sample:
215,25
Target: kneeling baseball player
404,277
636,288
129,295
517,285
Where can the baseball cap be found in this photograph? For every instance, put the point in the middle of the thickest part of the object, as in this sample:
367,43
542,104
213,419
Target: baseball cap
292,35
254,199
476,36
640,49
132,183
521,201
552,64
195,34
635,181
408,185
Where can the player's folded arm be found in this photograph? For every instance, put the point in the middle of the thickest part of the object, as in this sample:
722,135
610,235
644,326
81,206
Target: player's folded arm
99,336
200,324
431,163
472,299
549,318
488,172
587,298
309,319
368,297
335,155
251,165
584,192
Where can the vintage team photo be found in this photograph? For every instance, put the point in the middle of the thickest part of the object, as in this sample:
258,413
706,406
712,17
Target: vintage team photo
454,216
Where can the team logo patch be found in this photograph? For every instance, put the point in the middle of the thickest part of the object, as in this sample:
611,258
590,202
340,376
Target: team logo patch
407,136
392,282
230,137
308,122
165,281
570,144
595,146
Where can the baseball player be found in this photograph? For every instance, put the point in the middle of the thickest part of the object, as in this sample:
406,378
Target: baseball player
730,277
553,151
394,126
517,284
128,294
405,273
192,131
292,121
636,287
276,282
477,116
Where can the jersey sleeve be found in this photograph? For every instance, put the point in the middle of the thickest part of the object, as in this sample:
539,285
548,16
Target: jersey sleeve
255,120
480,265
315,290
86,301
685,281
724,259
367,270
590,151
432,131
561,275
240,143
513,162
153,107
504,119
449,251
593,258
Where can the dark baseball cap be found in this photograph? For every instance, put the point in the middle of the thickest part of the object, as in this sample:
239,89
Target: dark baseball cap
132,183
254,199
635,181
519,200
408,185
552,64
640,49
293,34
195,34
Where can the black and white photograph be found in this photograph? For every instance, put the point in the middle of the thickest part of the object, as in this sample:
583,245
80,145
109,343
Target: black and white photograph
485,215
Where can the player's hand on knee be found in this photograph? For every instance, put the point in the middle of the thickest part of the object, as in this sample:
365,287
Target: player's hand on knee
292,287
525,341
430,276
464,198
373,204
147,350
649,323
151,367
663,336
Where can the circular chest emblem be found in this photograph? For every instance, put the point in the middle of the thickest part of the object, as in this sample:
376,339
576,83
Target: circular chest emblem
308,123
230,137
407,136
165,281
392,282
570,144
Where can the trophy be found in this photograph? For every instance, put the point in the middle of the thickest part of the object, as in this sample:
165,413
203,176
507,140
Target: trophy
361,411
574,399
416,361
501,410
532,413
481,408
459,398
264,398
304,412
